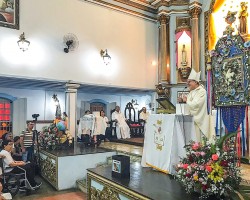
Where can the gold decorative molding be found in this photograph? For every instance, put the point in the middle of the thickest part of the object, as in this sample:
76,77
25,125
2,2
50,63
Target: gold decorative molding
115,188
195,12
163,19
150,16
49,169
182,24
106,194
212,6
158,3
195,4
206,29
173,11
142,8
145,7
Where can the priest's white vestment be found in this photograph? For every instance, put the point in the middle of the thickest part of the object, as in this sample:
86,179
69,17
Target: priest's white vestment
122,128
197,106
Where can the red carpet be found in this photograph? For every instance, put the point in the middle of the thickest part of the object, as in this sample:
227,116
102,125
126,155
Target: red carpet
66,196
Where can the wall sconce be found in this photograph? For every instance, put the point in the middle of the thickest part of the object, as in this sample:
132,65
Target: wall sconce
23,43
106,57
135,104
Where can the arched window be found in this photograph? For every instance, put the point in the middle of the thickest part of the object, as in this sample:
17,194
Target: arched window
5,116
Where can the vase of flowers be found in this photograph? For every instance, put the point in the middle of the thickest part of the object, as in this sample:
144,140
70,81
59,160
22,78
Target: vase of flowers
209,168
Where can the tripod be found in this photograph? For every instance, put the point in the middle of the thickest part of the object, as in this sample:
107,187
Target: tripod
37,158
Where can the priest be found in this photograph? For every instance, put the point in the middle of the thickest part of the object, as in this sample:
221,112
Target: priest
196,102
122,128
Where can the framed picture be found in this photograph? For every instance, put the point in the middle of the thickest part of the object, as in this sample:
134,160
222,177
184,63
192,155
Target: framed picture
9,13
181,94
116,166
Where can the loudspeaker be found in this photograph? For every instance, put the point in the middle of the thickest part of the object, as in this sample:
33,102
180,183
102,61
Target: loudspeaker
121,166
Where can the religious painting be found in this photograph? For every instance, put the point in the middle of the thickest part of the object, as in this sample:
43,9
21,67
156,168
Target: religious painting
116,166
9,13
230,65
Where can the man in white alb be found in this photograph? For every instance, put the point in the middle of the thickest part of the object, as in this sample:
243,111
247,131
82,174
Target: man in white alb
122,128
197,106
144,115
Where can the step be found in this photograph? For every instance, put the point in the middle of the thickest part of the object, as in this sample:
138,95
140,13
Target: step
81,184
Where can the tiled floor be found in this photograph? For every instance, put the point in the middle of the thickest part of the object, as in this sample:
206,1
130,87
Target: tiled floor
46,192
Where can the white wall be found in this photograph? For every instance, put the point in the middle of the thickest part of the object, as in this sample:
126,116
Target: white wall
131,42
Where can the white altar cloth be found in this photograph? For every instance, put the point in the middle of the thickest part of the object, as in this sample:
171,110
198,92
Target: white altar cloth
165,138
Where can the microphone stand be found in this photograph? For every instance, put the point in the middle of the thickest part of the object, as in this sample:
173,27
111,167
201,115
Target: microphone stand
38,159
182,114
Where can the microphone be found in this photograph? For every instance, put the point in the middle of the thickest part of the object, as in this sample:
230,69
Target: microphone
182,99
182,94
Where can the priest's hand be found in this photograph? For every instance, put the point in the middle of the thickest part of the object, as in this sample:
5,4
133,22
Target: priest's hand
184,99
180,100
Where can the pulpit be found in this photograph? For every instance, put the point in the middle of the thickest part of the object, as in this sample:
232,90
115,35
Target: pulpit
165,106
165,137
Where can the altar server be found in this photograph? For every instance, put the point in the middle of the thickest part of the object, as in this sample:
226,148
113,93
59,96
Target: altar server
122,129
197,106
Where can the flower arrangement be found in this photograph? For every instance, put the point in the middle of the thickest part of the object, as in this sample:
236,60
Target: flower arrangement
209,168
55,136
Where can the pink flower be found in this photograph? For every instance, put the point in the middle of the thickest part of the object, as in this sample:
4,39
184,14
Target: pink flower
197,154
195,146
203,153
215,157
209,168
185,166
202,167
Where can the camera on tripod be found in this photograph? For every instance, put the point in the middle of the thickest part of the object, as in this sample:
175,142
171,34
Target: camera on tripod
35,116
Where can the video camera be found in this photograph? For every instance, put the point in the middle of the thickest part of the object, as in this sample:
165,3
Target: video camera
35,116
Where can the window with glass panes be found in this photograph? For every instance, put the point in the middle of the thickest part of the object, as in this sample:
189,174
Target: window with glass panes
5,116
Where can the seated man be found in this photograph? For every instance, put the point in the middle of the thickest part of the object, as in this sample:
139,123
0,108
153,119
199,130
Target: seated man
17,167
144,115
122,128
17,151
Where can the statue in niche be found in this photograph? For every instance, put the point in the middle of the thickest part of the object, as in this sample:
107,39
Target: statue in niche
183,56
243,18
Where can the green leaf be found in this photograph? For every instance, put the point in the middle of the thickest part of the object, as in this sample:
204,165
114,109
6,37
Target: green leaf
225,137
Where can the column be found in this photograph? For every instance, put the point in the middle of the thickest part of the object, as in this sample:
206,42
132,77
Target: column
71,107
195,12
164,50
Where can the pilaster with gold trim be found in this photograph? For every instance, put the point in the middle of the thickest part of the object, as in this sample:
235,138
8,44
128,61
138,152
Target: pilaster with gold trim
164,50
194,11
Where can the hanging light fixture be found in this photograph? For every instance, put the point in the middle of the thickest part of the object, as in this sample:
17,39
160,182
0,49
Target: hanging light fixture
135,104
106,57
23,43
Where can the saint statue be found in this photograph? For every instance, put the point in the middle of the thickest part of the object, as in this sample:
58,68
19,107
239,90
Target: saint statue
243,18
183,56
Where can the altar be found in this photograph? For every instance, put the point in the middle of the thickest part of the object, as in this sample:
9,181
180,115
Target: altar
165,137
